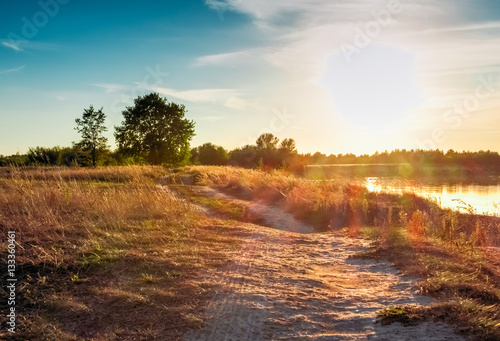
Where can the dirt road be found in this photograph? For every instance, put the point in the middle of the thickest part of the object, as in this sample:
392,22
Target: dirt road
298,286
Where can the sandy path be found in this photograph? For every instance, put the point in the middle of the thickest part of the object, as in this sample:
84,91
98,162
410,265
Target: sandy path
268,215
290,286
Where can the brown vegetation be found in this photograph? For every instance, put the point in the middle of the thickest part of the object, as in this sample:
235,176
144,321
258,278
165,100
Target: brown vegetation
104,254
333,205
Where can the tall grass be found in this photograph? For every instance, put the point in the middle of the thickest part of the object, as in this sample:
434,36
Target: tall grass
331,205
101,253
57,204
108,174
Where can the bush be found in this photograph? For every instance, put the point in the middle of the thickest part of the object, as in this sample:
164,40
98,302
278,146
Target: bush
44,156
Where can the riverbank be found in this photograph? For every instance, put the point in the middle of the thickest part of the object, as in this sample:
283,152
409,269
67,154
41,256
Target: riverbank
344,203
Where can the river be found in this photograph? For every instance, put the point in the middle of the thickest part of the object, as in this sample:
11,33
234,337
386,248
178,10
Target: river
479,195
483,198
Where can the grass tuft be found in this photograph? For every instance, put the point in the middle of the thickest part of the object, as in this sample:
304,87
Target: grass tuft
147,278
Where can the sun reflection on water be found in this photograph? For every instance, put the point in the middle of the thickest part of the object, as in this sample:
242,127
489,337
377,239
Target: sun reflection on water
484,199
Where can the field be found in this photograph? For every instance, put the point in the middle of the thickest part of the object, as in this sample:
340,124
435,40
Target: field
123,252
104,253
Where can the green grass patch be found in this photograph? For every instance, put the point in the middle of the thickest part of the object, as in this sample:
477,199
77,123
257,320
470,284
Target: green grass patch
226,209
392,312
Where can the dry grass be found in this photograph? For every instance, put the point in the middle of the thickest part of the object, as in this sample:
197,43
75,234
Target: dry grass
104,254
124,174
465,281
222,208
343,203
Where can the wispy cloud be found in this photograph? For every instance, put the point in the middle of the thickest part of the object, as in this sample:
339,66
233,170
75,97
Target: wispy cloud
305,34
12,45
12,70
111,87
26,45
237,57
464,28
199,95
234,102
263,9
227,97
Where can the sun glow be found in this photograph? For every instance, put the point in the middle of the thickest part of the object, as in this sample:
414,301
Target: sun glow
376,89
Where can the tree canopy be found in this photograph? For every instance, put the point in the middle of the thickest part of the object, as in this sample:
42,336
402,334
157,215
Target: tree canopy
267,141
209,154
91,126
267,153
155,130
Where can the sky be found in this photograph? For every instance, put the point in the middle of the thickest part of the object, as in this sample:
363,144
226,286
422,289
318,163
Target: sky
338,76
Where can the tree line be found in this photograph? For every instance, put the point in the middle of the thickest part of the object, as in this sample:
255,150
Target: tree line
155,131
488,160
267,153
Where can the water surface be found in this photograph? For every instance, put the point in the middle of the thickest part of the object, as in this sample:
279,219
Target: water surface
482,197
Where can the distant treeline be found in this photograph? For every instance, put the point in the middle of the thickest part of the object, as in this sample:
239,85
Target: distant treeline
269,152
65,156
413,156
420,162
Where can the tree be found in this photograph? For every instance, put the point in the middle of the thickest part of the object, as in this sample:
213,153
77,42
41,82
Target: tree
14,160
193,156
267,141
155,130
91,126
267,151
246,156
210,154
288,146
287,152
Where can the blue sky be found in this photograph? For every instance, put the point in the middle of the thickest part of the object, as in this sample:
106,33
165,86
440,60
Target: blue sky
338,76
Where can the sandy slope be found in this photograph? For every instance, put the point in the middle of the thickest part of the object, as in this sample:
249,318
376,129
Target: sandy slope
293,286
